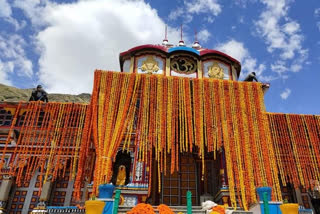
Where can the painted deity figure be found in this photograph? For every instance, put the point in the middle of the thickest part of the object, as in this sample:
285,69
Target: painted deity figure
121,177
150,65
215,71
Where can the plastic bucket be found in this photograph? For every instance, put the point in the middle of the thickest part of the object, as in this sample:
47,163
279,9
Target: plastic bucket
289,208
94,207
261,190
106,190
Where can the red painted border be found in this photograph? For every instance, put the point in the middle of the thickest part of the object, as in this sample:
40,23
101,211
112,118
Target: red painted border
141,47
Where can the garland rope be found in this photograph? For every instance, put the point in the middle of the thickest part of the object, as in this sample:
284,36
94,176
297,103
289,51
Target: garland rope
169,116
176,115
50,139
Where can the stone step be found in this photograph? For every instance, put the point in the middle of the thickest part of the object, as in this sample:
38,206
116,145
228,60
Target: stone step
175,209
183,209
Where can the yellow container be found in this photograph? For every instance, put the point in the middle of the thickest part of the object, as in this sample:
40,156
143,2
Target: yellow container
94,207
289,208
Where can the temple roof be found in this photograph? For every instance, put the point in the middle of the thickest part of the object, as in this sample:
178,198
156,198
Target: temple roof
168,50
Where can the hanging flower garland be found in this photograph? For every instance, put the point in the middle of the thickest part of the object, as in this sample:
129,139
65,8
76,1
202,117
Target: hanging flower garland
296,142
170,115
174,115
49,139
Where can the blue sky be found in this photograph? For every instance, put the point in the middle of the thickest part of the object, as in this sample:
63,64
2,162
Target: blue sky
60,43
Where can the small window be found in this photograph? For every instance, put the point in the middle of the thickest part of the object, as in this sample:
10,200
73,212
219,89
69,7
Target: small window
5,118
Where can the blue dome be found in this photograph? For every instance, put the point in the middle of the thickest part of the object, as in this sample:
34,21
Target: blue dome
183,49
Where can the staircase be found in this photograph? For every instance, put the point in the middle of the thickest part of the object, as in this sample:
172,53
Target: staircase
177,209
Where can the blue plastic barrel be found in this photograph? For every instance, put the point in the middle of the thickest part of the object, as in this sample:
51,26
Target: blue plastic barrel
106,190
261,190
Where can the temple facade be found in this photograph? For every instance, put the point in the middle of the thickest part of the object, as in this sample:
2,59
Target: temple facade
56,154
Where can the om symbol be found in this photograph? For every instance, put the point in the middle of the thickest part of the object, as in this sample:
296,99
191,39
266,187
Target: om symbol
183,65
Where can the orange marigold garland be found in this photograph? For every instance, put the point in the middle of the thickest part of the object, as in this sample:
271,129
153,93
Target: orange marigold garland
296,141
164,209
172,115
42,143
142,208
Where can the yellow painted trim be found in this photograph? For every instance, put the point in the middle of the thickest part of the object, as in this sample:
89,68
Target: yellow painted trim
131,64
168,67
200,73
22,111
11,109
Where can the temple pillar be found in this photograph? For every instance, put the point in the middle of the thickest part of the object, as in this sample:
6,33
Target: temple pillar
298,196
223,170
4,192
222,178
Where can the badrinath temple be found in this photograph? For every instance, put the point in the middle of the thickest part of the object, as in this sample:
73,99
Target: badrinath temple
174,127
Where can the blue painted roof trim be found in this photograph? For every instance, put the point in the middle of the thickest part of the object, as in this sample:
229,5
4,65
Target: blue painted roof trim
183,49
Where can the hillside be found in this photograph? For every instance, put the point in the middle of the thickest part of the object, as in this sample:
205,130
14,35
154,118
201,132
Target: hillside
12,94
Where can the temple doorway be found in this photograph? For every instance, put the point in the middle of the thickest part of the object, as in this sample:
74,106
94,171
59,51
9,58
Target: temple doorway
210,182
176,185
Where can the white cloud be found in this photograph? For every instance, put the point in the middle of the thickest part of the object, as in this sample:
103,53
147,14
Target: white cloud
297,63
5,9
13,57
249,64
204,35
317,12
317,15
279,67
4,78
291,27
6,14
241,19
209,19
282,35
174,14
203,6
88,35
34,10
243,3
285,94
189,8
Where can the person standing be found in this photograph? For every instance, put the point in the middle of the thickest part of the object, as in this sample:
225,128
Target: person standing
39,95
251,77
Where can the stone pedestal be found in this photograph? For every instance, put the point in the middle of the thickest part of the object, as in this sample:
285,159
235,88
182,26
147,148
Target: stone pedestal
5,188
4,192
46,191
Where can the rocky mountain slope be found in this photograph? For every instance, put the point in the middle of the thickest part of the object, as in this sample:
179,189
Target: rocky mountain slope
12,94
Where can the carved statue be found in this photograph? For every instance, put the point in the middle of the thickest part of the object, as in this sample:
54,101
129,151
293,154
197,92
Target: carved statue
150,65
121,177
215,71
